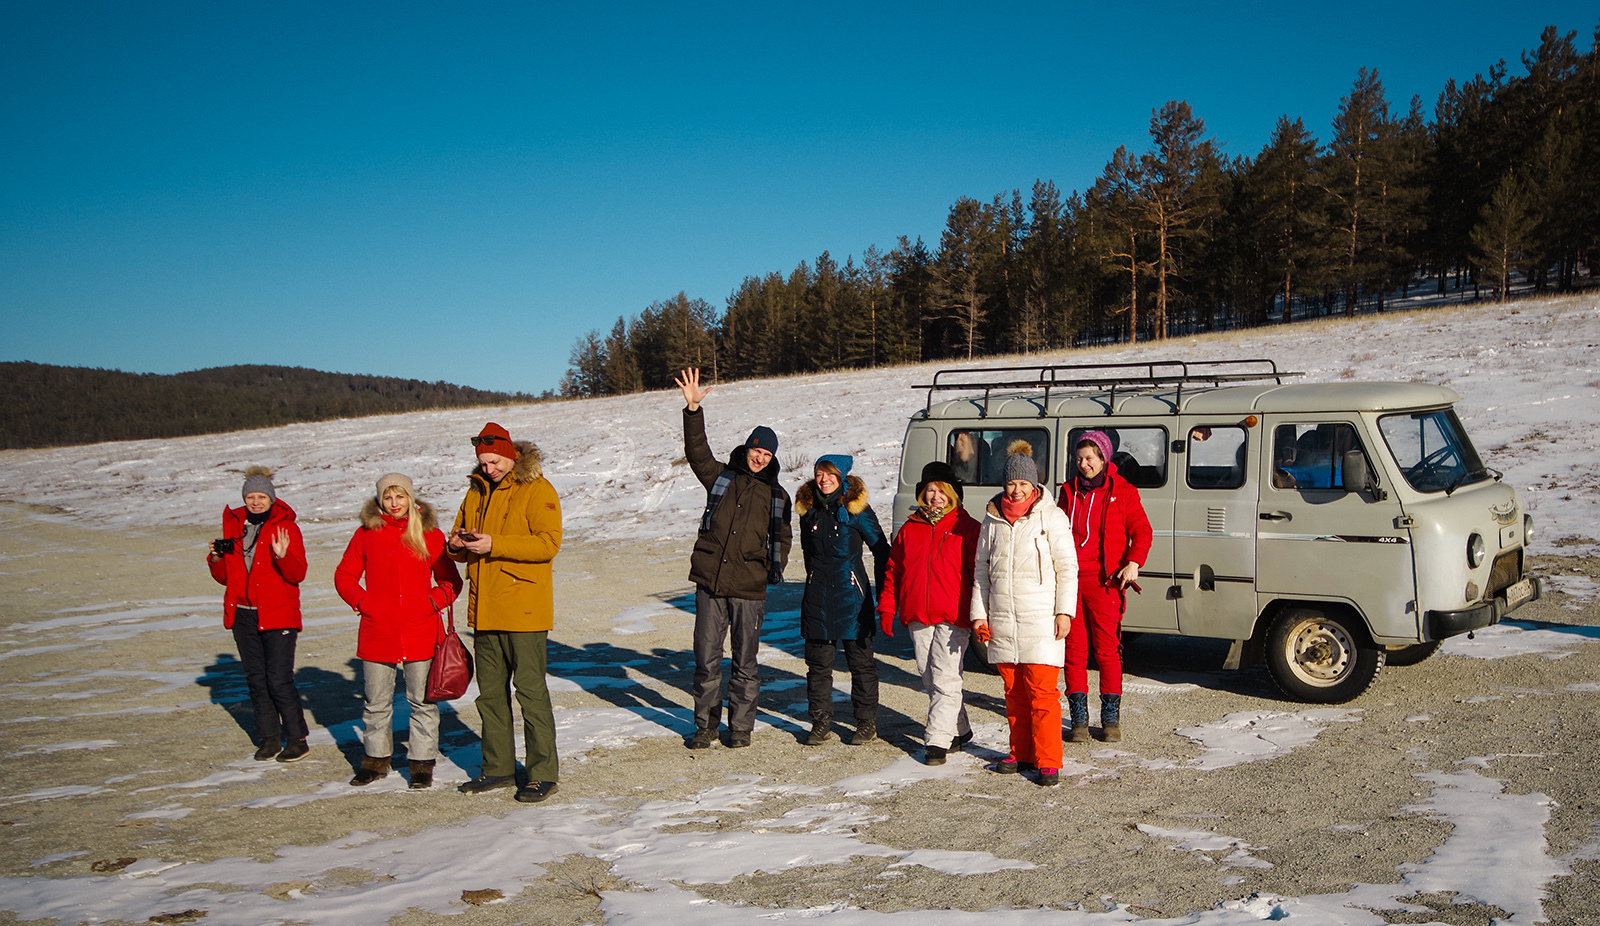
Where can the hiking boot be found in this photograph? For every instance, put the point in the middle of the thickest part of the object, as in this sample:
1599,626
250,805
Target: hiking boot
1111,718
487,783
1007,766
267,750
294,751
1078,706
371,770
1049,776
866,732
702,739
738,739
961,739
536,791
820,730
933,755
421,774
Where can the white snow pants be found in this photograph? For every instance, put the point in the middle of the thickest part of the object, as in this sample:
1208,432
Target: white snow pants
941,649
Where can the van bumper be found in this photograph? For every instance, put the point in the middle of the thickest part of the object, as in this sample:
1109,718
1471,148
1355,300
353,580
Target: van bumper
1442,624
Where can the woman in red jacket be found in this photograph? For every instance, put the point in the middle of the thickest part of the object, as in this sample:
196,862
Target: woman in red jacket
928,585
261,559
399,550
1112,536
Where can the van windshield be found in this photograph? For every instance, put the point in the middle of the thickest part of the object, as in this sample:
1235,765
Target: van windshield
1432,450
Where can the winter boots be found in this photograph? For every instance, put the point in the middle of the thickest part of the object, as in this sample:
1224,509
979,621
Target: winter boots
1078,706
371,770
702,739
267,749
1110,717
866,732
294,751
421,774
820,729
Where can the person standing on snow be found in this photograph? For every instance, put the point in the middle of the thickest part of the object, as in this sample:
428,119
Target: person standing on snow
836,609
399,551
261,560
1112,536
742,547
928,586
508,531
1024,593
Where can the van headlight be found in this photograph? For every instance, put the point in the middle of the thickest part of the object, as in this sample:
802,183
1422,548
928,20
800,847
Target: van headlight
1475,551
1527,530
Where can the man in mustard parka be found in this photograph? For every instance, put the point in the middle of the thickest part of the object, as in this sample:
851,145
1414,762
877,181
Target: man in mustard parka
507,531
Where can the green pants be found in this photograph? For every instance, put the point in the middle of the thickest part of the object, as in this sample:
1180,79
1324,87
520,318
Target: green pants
506,660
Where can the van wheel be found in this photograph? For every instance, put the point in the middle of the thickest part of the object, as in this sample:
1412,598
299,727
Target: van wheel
1320,657
1412,654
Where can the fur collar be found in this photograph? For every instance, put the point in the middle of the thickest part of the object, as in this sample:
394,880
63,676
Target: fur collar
528,467
855,496
372,519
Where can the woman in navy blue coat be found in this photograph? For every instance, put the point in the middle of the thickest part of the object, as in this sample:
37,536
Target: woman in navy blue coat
837,610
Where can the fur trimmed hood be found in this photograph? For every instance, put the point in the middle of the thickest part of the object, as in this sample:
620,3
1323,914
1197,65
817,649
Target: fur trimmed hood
528,467
372,518
855,496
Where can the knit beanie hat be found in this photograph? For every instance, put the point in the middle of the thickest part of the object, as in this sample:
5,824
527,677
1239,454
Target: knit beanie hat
395,479
259,479
1099,439
838,463
940,471
764,438
496,440
1020,464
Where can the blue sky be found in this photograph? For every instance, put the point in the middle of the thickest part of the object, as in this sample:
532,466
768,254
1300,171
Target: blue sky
458,191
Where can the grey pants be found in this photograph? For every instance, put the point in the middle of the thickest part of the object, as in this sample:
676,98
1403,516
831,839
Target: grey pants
509,659
717,619
377,717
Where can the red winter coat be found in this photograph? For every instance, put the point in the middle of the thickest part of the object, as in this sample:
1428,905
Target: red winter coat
273,586
1109,526
929,579
404,593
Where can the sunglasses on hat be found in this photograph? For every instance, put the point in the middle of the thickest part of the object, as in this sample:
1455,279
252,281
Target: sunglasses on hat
489,439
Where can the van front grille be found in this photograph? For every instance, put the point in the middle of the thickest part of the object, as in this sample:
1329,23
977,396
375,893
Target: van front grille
1507,571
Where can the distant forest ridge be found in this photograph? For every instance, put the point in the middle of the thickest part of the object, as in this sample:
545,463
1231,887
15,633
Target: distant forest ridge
1500,188
51,406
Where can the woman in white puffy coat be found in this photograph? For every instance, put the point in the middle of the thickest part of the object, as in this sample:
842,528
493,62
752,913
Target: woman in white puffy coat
1023,599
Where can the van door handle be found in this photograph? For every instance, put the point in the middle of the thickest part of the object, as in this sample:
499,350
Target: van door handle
1276,516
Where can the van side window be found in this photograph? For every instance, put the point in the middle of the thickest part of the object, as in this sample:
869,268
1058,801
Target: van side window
1310,456
979,456
1217,457
1140,454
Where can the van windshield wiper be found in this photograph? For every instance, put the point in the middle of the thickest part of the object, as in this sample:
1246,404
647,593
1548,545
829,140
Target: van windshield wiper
1456,484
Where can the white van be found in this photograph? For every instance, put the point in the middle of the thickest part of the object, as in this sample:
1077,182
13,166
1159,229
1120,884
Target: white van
1324,527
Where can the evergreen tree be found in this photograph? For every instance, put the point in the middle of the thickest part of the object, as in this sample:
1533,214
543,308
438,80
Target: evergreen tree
1500,239
1172,202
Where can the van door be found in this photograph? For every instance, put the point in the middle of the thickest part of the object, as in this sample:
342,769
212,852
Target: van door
1140,452
1213,530
1319,542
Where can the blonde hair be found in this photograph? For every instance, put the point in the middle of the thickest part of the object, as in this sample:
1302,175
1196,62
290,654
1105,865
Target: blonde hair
412,536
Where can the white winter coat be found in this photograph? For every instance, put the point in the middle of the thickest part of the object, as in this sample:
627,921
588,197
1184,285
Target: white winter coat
1027,573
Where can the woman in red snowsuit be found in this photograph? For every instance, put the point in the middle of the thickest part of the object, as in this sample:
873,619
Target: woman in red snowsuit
1112,537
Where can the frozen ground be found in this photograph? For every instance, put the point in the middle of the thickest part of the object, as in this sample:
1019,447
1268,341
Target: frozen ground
1456,791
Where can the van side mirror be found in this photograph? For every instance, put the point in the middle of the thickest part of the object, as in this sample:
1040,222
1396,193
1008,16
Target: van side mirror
1356,475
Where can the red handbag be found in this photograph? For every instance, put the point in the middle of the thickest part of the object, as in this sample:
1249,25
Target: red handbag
451,671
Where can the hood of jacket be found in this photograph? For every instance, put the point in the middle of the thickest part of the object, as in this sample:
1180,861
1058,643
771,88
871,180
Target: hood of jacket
528,467
372,519
855,496
737,461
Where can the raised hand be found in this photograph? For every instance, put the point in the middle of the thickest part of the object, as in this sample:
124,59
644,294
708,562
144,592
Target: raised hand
689,382
280,544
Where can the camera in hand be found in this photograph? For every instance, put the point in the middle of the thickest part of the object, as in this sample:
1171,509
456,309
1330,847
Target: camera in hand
223,545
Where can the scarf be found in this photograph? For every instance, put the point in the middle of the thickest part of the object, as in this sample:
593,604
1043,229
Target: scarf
1012,511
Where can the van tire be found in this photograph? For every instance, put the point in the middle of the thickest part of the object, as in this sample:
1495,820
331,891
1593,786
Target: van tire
1322,657
1412,654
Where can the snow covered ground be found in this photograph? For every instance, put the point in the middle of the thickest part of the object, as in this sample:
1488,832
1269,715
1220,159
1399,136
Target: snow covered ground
1529,375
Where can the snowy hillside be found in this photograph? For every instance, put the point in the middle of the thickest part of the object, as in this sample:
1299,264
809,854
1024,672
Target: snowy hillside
1528,373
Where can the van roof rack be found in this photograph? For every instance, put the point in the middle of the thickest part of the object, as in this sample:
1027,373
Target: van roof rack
1108,376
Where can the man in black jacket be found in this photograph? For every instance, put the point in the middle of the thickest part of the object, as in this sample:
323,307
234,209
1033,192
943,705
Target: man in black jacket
742,547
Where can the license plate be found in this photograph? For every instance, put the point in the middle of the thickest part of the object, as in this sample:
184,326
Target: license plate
1518,594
